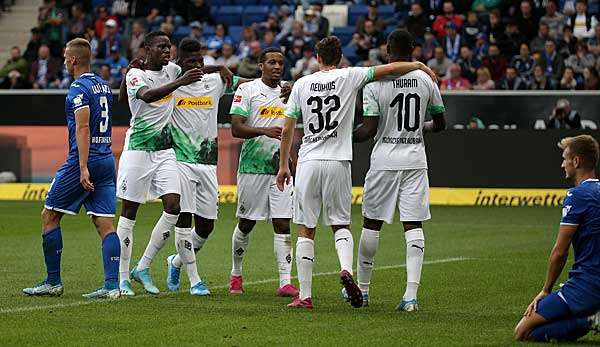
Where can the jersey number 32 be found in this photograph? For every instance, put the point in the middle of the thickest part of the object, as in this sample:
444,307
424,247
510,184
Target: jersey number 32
323,121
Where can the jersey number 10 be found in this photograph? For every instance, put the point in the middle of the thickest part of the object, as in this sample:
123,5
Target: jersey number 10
403,102
324,121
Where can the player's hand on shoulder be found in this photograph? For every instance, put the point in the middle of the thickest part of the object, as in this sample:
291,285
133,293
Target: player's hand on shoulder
283,178
226,76
85,180
273,132
428,71
286,90
191,76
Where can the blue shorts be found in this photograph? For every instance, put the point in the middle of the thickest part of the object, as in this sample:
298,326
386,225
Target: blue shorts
66,194
575,299
553,308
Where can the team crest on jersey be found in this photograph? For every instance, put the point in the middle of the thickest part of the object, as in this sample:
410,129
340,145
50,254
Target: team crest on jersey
134,81
77,100
271,112
124,186
198,102
566,210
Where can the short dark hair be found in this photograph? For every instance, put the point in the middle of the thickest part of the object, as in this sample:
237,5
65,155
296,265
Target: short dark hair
329,50
263,55
400,43
150,37
584,147
189,45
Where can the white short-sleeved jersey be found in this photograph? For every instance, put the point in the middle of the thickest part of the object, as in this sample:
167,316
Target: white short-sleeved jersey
401,105
149,130
195,120
262,107
325,100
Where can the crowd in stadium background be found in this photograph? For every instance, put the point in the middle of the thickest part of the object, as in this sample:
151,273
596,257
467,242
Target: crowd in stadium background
481,44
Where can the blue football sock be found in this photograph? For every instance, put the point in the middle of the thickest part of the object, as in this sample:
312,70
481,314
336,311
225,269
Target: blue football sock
111,250
52,244
564,330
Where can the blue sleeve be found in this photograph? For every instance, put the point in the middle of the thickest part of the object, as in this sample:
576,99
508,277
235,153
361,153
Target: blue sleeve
78,96
573,208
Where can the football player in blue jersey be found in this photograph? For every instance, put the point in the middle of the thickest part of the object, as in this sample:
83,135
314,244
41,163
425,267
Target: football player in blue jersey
572,311
86,178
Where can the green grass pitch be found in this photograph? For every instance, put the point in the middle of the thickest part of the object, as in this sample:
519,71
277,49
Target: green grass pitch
483,265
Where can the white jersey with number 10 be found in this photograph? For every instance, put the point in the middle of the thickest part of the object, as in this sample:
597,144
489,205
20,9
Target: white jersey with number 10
401,105
325,100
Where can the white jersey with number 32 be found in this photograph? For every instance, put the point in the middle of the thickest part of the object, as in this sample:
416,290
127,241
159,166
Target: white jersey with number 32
401,105
326,100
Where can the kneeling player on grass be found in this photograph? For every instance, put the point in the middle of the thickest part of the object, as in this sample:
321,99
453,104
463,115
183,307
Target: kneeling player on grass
325,100
394,111
86,178
257,117
195,142
571,312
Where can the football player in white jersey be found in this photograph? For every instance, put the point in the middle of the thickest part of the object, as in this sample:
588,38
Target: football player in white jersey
257,117
325,100
195,142
147,167
394,112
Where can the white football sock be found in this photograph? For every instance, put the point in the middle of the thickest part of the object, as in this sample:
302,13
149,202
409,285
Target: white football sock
125,233
344,245
282,246
367,247
197,241
185,250
160,234
239,243
415,250
305,259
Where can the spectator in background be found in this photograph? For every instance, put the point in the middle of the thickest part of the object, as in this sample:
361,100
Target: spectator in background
50,20
167,28
468,64
483,7
552,62
378,56
104,73
594,42
228,58
248,36
580,60
311,25
196,31
198,10
111,39
305,65
568,7
373,16
417,54
496,34
539,81
361,46
78,23
14,80
538,42
372,35
455,81
526,22
101,17
472,28
475,123
249,66
568,42
495,62
271,24
440,63
523,62
568,81
156,15
136,40
44,69
563,116
512,40
292,56
33,45
511,81
269,40
207,56
452,42
216,41
15,62
429,45
481,46
439,25
582,22
322,21
417,21
90,35
286,21
484,80
591,79
555,20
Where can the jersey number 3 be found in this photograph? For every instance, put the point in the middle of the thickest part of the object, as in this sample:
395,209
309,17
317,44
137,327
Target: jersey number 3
404,102
104,114
324,121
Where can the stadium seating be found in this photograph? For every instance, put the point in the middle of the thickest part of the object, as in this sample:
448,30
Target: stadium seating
235,32
230,15
244,2
386,11
344,34
181,32
255,14
355,12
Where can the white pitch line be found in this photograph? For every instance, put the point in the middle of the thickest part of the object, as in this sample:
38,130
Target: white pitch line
272,280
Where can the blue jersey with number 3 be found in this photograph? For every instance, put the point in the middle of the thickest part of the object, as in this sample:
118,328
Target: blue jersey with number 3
90,91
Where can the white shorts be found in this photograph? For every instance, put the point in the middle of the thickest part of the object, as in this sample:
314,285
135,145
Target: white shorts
386,189
147,175
325,183
199,189
259,198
